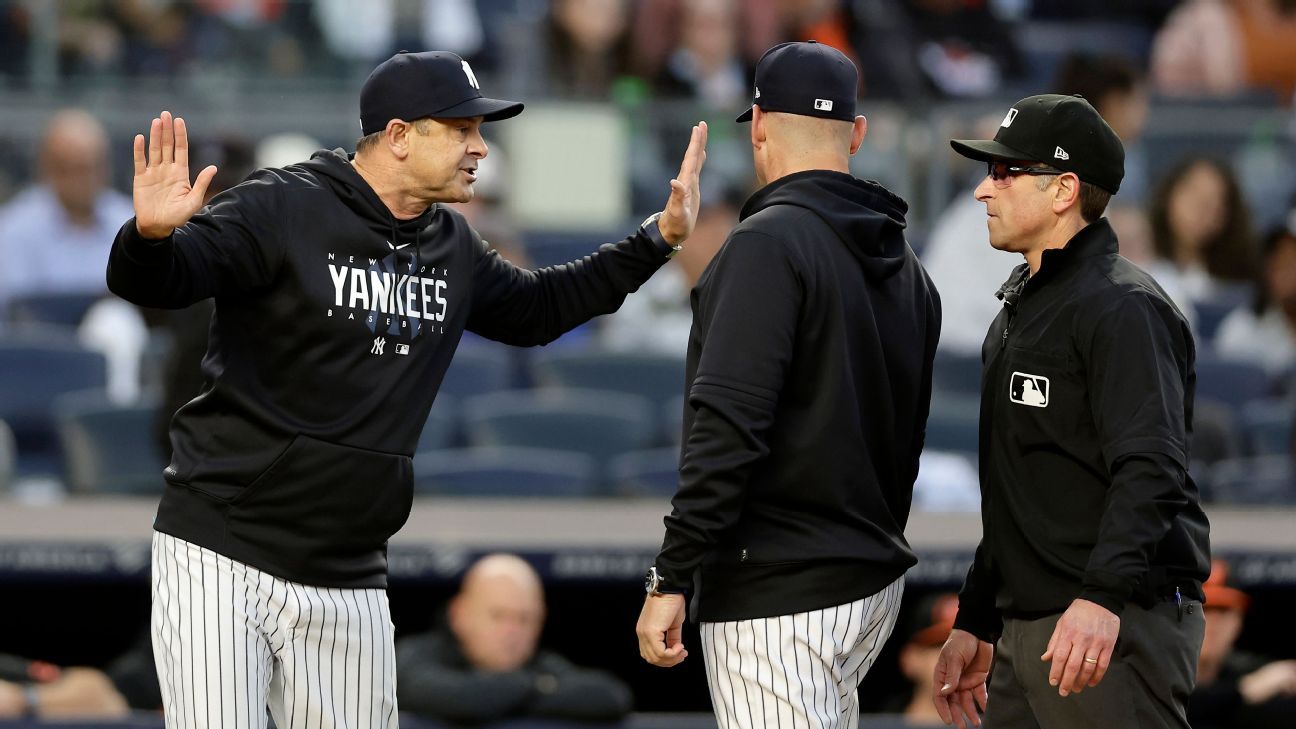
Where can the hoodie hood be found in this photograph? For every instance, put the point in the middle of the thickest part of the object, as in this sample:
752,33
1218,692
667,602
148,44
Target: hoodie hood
868,218
333,167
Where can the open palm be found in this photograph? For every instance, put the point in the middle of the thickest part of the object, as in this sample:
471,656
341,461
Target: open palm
164,199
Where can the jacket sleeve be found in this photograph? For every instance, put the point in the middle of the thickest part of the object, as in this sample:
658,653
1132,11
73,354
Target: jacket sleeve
747,317
565,691
231,245
526,308
1137,365
977,613
430,687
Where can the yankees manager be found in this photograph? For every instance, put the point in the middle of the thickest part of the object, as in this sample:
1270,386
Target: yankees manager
342,286
1094,547
809,376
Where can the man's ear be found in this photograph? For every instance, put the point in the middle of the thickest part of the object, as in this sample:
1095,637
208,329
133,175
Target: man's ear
1067,193
397,136
759,134
858,133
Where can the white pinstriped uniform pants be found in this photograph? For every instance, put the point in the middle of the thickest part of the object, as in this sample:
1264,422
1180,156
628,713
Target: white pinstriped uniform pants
229,639
799,670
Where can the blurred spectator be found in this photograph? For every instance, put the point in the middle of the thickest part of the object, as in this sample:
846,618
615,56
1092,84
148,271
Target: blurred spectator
44,691
1201,229
963,49
487,666
55,235
1225,47
929,625
659,316
659,28
706,64
1264,333
15,37
1116,89
1237,690
586,48
388,25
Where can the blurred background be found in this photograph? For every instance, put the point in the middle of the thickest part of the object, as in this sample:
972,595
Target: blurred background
565,455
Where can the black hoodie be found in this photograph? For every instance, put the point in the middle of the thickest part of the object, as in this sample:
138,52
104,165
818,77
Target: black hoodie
809,371
333,327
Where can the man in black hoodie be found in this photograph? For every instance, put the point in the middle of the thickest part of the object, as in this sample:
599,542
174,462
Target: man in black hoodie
341,288
809,376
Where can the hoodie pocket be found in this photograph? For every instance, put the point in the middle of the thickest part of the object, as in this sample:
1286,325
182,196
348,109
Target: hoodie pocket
321,503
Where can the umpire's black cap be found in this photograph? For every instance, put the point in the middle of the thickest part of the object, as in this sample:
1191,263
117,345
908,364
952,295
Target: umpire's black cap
1065,132
807,78
432,83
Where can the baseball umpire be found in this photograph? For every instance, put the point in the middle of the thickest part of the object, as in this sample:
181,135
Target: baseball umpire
1094,545
809,375
341,287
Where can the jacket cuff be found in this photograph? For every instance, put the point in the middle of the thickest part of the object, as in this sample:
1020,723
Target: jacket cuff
1106,598
142,250
673,579
1110,590
986,625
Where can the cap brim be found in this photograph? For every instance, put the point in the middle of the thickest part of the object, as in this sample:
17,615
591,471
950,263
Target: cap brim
488,109
746,116
986,150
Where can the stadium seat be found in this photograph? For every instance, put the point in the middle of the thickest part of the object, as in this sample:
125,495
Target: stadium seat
953,425
1265,480
1267,427
956,374
442,427
1229,382
34,371
596,423
658,377
653,472
62,309
478,368
552,248
109,449
505,472
672,420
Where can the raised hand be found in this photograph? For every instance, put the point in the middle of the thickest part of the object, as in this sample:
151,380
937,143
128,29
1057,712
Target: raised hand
679,216
164,199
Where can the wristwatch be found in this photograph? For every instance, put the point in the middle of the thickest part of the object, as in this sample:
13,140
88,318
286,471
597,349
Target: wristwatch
653,584
650,228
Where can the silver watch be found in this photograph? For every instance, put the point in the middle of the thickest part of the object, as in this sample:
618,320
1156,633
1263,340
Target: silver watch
652,230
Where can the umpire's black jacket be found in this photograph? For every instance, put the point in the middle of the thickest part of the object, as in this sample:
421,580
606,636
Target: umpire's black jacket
1086,411
809,371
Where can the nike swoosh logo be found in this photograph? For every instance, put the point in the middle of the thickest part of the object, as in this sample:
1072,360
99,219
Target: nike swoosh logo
400,246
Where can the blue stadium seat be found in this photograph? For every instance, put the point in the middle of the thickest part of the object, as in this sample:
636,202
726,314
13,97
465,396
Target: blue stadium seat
672,420
658,377
505,472
552,248
1267,427
956,374
653,472
1229,382
478,368
33,372
598,424
109,449
442,427
953,424
62,309
1264,480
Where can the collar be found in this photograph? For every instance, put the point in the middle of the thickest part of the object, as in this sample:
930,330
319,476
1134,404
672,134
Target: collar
1095,239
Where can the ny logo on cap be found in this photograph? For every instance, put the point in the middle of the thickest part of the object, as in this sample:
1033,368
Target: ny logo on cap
823,104
472,80
1060,153
1008,120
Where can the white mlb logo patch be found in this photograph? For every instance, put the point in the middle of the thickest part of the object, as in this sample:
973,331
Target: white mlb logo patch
823,104
1027,389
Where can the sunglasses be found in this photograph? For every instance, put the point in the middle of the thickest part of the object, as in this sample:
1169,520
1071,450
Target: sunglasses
1000,170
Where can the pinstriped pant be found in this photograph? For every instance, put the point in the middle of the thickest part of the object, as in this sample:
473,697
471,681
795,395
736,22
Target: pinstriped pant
799,670
228,640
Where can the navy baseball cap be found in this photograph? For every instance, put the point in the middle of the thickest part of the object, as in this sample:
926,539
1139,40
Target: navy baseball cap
1065,132
807,78
432,83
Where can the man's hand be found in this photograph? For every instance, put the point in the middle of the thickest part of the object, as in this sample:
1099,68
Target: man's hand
959,683
677,219
1268,682
1081,647
164,199
661,623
